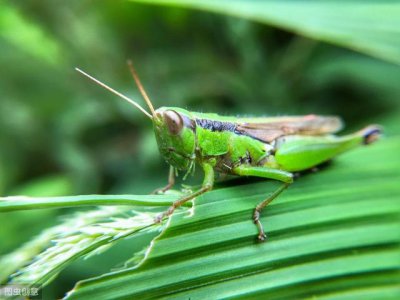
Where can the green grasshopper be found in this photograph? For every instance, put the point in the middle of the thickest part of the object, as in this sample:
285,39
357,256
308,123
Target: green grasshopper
272,148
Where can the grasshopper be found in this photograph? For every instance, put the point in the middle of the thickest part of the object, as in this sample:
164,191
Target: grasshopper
272,148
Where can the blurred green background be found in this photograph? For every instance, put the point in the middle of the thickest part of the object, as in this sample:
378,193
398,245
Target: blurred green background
60,134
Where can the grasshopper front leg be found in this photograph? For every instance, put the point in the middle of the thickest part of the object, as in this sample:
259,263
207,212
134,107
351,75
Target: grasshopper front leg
207,185
171,182
269,173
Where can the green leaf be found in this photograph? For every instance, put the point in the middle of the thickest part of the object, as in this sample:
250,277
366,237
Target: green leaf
332,234
14,203
371,27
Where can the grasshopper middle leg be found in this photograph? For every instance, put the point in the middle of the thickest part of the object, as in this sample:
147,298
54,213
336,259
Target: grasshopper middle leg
264,172
207,185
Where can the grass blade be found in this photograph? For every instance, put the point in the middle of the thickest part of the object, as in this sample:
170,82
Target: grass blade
15,203
332,232
371,27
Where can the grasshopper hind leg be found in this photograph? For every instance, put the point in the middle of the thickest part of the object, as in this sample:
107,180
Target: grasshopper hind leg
257,211
371,134
265,172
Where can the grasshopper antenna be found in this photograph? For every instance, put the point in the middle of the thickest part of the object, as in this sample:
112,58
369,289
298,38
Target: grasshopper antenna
116,93
141,89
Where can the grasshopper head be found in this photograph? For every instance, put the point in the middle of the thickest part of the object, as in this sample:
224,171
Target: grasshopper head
175,133
174,127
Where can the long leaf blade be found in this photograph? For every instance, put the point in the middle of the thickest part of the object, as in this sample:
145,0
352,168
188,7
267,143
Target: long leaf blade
371,27
340,223
15,203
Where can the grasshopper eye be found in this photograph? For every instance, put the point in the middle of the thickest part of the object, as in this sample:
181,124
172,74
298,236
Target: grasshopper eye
174,122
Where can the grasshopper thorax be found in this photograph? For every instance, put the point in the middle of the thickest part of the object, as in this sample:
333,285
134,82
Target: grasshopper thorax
175,131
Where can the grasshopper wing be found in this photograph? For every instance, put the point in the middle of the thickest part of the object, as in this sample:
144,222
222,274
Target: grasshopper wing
269,129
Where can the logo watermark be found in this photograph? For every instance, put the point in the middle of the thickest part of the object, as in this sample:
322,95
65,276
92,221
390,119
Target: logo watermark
18,291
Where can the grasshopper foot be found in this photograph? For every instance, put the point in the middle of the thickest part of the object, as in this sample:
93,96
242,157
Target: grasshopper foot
158,218
158,191
261,234
162,190
262,237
